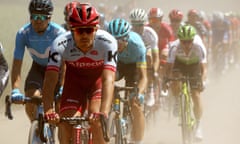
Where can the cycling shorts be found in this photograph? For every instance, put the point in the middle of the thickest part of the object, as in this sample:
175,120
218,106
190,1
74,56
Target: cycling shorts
192,70
79,95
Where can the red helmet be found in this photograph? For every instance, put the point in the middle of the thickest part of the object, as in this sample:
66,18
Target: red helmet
69,6
83,15
155,12
193,12
175,14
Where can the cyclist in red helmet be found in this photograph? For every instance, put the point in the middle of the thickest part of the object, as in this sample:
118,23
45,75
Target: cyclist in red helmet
175,16
89,55
165,35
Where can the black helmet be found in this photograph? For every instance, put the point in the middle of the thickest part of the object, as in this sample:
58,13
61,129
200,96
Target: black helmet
41,6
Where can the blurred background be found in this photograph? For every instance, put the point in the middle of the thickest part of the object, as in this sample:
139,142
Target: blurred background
221,97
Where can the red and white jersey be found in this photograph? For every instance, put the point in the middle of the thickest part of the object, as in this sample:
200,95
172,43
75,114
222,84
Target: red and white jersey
84,67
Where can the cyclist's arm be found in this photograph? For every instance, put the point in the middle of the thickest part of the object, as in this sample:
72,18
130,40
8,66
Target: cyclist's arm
16,73
50,82
155,54
108,78
142,83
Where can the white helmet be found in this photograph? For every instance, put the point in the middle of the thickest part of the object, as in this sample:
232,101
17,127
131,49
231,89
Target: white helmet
138,15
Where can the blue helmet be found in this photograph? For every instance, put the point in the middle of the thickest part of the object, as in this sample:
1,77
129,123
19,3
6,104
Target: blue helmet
119,27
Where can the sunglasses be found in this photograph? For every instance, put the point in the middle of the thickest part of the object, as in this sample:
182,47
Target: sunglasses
137,24
123,39
82,30
40,17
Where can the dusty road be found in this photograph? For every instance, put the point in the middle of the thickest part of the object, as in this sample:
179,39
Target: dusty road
220,121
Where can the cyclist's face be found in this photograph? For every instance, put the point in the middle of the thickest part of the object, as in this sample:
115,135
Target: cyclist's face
39,22
175,24
138,28
186,43
122,43
84,37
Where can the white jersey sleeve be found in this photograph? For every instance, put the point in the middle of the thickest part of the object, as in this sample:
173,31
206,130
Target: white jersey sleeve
150,38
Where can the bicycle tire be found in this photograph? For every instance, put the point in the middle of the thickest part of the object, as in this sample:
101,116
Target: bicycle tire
187,130
33,137
115,129
34,134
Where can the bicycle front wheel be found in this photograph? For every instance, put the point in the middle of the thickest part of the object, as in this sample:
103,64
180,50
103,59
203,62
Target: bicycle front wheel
115,129
34,134
187,129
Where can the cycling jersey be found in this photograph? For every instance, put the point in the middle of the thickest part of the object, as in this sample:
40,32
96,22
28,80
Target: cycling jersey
220,32
83,70
196,55
135,52
165,35
131,58
197,40
37,45
150,39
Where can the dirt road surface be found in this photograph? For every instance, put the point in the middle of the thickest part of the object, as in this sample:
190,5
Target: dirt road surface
220,120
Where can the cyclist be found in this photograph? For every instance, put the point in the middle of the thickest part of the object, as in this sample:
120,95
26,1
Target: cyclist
194,20
165,35
175,16
37,37
103,22
4,71
132,66
88,54
221,37
189,58
138,18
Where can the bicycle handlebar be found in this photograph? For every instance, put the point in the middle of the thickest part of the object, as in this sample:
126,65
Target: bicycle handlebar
79,120
8,102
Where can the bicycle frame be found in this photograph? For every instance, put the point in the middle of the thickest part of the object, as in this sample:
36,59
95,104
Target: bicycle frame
186,111
187,119
120,119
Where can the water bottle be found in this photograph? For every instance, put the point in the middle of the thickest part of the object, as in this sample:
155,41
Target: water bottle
77,134
116,104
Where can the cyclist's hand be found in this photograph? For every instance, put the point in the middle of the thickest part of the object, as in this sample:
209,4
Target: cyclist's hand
52,117
17,96
137,97
155,75
140,98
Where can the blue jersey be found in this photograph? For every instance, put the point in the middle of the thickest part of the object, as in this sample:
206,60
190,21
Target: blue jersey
37,45
135,52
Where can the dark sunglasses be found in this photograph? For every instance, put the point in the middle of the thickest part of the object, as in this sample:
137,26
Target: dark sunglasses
123,39
87,30
39,17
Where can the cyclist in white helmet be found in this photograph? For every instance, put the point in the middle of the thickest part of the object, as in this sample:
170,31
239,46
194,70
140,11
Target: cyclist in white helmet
138,19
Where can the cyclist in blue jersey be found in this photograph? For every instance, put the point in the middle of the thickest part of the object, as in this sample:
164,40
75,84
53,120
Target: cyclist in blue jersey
4,71
138,18
37,37
132,66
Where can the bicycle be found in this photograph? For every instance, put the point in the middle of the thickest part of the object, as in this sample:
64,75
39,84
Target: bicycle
40,132
186,109
82,132
120,118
